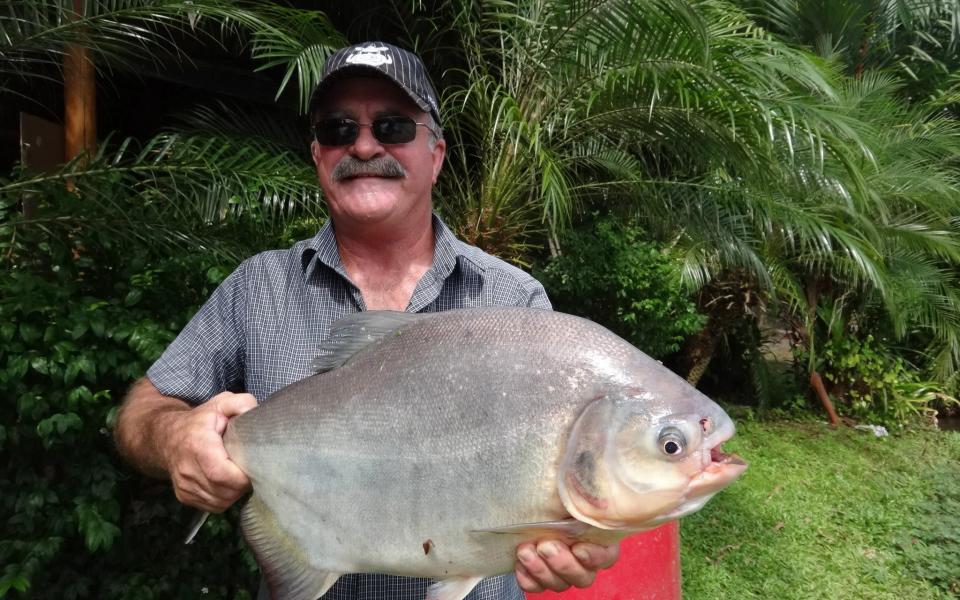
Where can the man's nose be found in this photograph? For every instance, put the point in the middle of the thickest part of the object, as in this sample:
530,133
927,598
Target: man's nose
366,146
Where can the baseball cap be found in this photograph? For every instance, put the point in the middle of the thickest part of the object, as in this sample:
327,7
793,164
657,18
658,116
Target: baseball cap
402,67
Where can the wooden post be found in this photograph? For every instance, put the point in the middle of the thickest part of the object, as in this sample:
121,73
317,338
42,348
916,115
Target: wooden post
80,99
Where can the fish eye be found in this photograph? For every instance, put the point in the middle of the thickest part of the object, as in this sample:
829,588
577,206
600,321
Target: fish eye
672,442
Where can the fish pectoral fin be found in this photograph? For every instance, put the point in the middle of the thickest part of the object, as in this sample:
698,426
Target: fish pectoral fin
282,561
566,528
455,588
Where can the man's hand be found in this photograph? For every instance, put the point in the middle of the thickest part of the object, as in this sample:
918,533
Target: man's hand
203,475
552,565
164,436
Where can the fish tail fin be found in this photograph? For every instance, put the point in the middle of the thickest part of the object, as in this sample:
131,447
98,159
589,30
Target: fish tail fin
286,568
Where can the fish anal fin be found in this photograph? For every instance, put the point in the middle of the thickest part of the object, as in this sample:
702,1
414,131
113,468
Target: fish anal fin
198,520
566,528
355,332
454,588
288,573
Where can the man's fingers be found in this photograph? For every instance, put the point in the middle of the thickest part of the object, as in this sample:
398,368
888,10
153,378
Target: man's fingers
198,498
195,488
594,556
553,566
526,581
562,562
217,468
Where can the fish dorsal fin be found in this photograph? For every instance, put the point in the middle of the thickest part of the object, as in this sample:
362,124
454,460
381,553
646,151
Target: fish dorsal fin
289,575
355,332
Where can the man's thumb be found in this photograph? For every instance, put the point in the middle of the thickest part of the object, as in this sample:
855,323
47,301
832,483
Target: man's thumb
236,404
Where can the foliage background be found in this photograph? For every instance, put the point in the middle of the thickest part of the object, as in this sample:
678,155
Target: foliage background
707,178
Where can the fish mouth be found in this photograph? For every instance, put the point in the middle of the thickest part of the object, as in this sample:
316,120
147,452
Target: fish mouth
718,458
721,470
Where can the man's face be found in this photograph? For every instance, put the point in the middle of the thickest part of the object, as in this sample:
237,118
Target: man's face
369,199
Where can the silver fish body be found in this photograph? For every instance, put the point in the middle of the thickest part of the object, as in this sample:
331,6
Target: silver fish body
444,440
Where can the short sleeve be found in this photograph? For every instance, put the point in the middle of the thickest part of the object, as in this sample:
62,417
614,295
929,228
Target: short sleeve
537,296
208,356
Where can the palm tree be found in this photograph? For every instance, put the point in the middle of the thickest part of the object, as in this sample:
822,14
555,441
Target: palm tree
917,38
773,171
560,103
186,181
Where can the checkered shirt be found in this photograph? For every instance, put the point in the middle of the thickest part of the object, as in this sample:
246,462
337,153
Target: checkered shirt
265,323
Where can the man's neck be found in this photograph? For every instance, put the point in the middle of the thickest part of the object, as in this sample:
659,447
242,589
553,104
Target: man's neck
386,263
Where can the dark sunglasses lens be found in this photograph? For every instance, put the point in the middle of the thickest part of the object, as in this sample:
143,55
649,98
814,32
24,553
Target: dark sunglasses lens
336,132
395,130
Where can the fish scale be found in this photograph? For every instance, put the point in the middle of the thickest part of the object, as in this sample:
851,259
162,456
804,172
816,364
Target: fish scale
434,444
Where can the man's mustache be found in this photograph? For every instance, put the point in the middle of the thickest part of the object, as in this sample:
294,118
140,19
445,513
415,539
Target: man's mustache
381,166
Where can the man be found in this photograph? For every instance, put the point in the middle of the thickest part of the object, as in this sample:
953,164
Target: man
378,150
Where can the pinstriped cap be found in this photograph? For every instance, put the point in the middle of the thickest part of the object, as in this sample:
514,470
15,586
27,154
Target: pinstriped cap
401,66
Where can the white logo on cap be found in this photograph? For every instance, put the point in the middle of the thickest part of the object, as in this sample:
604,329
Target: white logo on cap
372,56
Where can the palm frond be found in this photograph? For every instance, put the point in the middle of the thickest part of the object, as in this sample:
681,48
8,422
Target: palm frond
172,189
125,33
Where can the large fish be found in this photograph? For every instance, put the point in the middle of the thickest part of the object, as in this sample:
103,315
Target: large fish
431,445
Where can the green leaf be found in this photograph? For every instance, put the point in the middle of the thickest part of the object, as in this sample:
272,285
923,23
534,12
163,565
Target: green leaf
18,365
29,333
13,581
87,366
79,328
40,364
70,372
217,274
133,297
57,425
97,532
79,395
97,324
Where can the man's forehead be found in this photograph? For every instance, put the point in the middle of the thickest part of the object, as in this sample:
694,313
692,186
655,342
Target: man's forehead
352,91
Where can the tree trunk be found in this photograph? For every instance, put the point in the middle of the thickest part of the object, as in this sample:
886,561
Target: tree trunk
816,382
702,348
80,99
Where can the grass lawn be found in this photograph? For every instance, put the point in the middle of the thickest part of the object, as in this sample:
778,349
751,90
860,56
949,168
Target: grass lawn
825,513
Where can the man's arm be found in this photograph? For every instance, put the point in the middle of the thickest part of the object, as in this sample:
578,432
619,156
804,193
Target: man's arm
166,437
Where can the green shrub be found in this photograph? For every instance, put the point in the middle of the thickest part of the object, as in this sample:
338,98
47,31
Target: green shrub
608,273
82,314
874,385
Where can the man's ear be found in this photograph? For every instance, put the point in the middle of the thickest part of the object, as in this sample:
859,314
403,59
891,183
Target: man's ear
315,152
439,151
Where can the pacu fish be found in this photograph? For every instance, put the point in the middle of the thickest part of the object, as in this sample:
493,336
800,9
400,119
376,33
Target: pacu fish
431,445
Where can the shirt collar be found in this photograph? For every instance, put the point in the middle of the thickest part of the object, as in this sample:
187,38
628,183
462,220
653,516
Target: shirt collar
322,248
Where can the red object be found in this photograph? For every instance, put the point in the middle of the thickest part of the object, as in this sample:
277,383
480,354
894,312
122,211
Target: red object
648,569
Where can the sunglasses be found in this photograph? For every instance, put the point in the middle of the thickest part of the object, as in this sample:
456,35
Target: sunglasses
387,130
